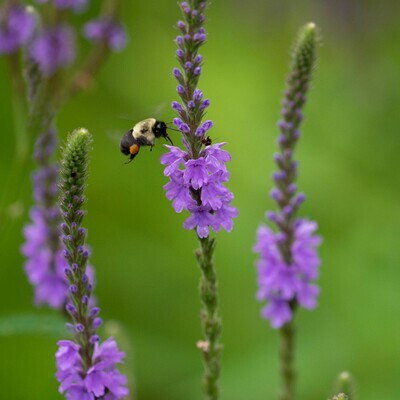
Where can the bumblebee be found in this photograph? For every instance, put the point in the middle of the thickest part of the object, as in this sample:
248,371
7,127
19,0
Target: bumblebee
144,133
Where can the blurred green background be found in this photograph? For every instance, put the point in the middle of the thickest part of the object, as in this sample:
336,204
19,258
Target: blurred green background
147,276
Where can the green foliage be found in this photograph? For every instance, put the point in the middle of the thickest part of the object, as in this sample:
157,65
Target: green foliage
146,275
47,325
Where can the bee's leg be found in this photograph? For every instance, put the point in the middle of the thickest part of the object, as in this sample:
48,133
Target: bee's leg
133,150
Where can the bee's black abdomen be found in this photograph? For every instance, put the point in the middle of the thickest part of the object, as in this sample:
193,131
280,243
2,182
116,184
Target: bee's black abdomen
126,142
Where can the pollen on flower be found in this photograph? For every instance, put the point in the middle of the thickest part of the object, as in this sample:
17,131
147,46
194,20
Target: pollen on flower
203,345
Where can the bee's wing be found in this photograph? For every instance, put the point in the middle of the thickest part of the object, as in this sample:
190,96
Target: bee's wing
156,111
114,136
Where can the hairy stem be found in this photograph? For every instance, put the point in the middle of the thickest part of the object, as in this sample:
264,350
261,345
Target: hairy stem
211,323
286,361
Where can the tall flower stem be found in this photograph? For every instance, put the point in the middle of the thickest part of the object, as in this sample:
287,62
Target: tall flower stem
86,369
197,176
39,44
73,176
286,360
297,86
95,59
211,323
289,261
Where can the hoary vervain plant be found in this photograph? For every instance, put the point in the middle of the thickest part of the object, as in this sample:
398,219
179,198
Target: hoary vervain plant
197,176
86,368
40,45
288,261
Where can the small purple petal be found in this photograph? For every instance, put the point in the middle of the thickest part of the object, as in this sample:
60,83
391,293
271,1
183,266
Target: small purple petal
16,30
108,31
54,49
278,312
195,173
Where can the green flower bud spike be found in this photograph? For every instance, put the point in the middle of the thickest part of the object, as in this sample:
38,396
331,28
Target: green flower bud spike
345,384
340,396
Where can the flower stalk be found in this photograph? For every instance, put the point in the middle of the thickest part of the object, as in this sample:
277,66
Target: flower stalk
197,176
288,259
286,358
40,44
86,368
211,322
73,177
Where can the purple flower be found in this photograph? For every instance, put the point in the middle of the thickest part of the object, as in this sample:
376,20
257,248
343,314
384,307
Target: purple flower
224,216
45,271
67,355
281,283
278,312
101,379
45,265
289,261
179,192
196,173
197,178
213,192
173,160
216,157
196,185
200,218
108,31
54,49
16,29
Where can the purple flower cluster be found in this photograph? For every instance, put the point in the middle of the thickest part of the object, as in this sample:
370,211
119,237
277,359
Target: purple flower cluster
197,185
281,284
288,259
106,30
197,175
45,263
16,27
54,49
53,46
44,267
101,380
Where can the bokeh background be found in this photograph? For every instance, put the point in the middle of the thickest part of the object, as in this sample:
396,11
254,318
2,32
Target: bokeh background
147,277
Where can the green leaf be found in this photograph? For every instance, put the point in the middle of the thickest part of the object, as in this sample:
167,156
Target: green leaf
32,324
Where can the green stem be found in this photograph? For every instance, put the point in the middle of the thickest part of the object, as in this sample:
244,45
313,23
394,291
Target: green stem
286,360
211,323
19,166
